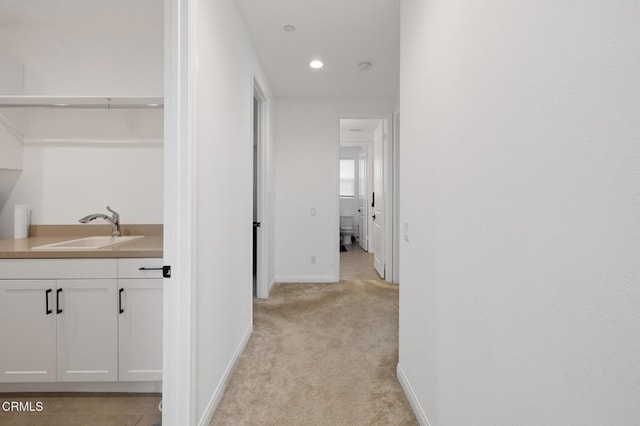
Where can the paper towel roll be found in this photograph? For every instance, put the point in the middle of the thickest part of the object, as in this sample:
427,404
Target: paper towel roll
21,219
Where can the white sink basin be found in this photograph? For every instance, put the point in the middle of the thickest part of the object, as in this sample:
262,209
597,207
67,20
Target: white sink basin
88,243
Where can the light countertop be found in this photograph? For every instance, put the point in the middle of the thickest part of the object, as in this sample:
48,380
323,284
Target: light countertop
149,246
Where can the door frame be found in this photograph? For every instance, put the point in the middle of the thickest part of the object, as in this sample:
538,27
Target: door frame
388,165
396,197
364,155
262,283
179,251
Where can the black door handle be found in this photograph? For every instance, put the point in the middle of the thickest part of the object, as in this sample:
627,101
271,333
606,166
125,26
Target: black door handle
46,298
256,224
373,217
58,310
120,300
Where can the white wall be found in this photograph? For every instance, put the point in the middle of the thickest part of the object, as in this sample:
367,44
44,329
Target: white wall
76,162
224,196
116,56
307,133
63,183
520,177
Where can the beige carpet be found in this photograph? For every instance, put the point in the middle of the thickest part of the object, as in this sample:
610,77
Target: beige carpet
320,354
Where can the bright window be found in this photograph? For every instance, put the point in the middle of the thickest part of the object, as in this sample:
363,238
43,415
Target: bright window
347,178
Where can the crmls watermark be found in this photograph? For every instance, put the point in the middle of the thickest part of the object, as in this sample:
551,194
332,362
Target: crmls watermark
22,406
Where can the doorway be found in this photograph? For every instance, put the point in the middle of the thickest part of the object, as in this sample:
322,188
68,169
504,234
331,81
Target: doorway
256,219
366,197
259,260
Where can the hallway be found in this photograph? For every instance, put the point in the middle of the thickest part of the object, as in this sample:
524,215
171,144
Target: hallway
321,354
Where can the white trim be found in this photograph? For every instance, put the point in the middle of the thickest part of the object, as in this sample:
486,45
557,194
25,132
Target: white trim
411,396
396,198
263,288
389,202
135,387
307,278
222,386
336,210
179,242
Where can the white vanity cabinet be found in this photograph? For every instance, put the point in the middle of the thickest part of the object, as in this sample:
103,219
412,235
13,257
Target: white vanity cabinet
87,333
27,331
80,320
59,329
140,319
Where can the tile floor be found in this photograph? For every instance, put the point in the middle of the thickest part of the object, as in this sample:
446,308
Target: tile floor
71,409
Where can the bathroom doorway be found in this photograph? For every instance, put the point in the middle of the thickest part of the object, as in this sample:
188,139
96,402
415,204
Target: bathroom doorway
364,198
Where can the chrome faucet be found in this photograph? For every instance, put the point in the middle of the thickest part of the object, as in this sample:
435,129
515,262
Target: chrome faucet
114,220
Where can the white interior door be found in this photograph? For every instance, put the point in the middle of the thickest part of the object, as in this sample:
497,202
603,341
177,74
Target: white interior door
377,201
363,190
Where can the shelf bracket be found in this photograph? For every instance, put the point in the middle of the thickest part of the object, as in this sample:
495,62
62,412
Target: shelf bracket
13,130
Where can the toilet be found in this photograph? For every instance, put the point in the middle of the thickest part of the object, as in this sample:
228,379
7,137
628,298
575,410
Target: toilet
346,229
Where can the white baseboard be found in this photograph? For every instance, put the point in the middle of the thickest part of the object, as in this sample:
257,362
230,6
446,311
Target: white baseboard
134,387
307,279
217,395
411,396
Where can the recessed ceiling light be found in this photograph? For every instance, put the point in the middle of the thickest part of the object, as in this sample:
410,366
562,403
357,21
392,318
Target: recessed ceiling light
289,28
365,66
316,64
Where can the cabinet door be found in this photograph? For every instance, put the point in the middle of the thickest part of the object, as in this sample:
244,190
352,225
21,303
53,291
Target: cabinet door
87,332
27,331
140,329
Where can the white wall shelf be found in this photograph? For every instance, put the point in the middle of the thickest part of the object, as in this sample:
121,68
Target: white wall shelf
83,102
28,119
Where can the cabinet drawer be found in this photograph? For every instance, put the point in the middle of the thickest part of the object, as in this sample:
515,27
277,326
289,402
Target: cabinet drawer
20,269
130,268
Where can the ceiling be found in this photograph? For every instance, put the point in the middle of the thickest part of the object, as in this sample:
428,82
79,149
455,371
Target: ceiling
342,33
359,125
357,130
